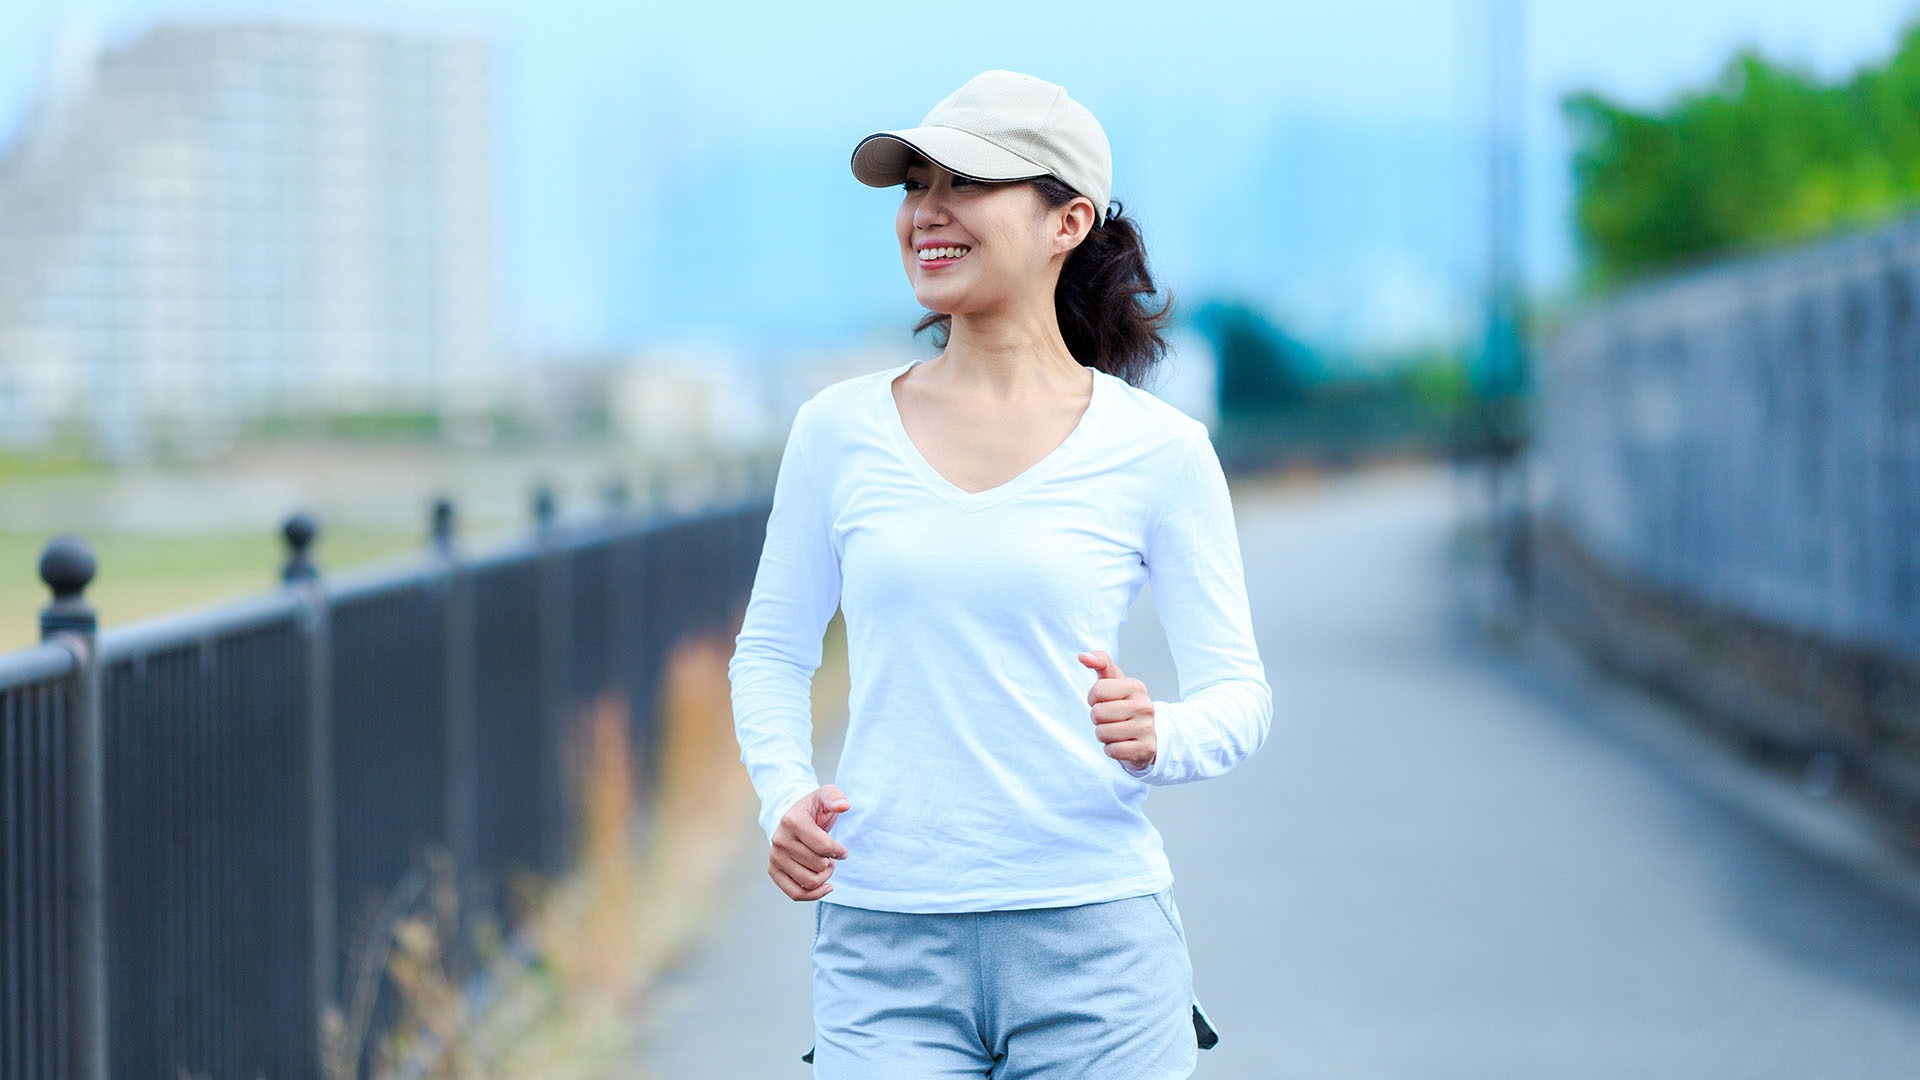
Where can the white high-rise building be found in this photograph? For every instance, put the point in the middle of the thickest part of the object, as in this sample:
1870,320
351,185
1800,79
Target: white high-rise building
219,221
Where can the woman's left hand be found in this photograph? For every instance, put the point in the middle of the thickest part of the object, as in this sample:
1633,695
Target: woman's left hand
1122,712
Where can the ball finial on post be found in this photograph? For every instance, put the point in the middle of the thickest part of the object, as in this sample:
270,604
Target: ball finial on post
299,531
67,566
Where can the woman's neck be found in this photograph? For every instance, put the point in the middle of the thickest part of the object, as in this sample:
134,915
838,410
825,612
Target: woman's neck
1010,355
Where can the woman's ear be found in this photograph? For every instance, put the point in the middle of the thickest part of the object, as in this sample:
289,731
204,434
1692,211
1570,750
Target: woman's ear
1075,222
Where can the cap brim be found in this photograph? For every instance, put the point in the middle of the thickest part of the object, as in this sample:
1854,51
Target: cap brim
881,159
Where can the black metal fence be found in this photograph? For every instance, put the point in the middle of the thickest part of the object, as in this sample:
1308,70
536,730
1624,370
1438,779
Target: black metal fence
201,816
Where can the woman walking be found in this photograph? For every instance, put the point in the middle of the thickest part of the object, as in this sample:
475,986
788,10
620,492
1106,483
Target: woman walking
995,901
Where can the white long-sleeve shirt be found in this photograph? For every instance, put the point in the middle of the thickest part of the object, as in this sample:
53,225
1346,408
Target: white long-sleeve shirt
975,778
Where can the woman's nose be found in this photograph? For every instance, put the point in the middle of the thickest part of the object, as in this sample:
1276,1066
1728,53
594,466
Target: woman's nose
932,209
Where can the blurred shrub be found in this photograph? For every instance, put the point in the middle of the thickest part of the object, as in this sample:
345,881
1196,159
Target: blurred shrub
1261,367
417,425
384,424
1767,155
1281,405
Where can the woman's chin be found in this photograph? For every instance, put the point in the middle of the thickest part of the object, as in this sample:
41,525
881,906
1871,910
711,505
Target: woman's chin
937,300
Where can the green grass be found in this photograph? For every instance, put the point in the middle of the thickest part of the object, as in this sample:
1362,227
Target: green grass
143,575
15,465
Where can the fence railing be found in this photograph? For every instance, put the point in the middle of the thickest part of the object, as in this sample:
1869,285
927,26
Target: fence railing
1732,460
1750,435
202,815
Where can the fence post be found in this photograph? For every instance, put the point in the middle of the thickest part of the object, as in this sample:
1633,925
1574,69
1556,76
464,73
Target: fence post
66,566
618,584
458,727
302,575
554,605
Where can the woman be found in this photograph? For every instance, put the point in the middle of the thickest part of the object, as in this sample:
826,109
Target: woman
1000,904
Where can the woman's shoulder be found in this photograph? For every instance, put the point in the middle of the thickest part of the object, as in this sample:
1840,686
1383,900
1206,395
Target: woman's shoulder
841,414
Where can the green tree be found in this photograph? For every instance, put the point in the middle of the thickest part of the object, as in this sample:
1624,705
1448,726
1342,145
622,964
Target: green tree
1764,156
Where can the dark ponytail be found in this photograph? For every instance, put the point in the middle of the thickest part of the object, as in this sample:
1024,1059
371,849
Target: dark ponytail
1105,298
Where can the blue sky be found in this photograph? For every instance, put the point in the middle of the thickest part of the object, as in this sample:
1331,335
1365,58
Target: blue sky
673,172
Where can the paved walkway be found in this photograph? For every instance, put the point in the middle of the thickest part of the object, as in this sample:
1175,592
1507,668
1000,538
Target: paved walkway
1446,862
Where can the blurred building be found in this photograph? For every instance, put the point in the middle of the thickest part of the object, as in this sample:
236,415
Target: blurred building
673,401
218,221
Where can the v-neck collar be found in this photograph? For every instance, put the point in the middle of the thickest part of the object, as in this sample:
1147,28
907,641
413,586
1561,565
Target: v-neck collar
980,500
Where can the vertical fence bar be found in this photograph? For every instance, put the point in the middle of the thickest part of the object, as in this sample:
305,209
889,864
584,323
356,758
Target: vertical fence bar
457,724
556,707
320,946
616,637
67,565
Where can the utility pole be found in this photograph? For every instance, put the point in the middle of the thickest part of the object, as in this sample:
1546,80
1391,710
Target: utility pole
1501,368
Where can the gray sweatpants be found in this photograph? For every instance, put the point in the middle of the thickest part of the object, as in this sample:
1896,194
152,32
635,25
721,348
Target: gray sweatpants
1092,991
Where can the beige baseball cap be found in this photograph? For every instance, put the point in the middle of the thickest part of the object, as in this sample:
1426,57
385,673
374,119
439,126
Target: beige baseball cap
1000,125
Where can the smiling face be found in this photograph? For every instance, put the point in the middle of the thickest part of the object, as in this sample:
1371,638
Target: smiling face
970,246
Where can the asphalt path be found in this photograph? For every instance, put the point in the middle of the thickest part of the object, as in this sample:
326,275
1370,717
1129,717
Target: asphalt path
1450,859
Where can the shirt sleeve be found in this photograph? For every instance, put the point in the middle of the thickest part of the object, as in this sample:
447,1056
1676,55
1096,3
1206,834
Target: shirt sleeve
796,589
1199,591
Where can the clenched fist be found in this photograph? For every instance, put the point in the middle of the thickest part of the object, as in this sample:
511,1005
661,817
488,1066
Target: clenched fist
1122,712
801,858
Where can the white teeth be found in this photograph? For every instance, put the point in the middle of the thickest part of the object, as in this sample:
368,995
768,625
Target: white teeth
928,254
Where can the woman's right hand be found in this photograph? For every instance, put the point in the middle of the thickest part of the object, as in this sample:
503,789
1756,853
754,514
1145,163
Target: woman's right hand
801,858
